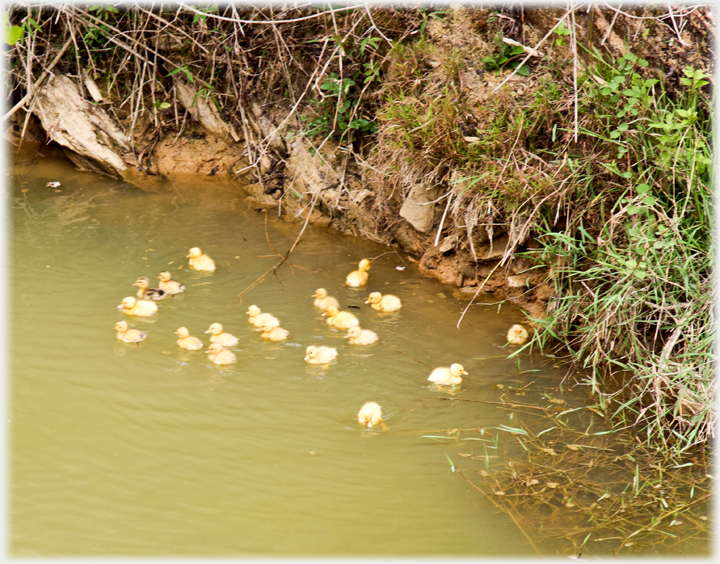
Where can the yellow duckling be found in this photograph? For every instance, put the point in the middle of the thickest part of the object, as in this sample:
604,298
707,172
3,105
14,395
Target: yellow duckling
219,355
274,333
340,319
259,319
357,336
322,300
517,335
447,376
370,414
147,293
129,335
358,277
168,285
388,302
225,339
320,355
199,261
139,308
185,341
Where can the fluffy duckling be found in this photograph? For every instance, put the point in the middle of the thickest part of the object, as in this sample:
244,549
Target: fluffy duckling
274,333
199,261
225,339
388,302
370,414
219,355
357,336
320,355
147,293
168,285
340,319
322,300
447,376
358,277
129,335
259,319
139,308
185,341
517,335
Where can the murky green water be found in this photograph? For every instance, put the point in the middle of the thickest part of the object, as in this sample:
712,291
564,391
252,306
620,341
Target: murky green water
151,450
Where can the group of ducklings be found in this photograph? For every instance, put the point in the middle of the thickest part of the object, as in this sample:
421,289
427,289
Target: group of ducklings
143,305
370,413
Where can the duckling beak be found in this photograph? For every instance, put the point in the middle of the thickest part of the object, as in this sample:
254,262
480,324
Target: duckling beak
121,306
208,331
136,284
464,373
367,301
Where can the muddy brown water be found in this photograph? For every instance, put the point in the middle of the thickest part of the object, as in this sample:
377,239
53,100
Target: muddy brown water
129,450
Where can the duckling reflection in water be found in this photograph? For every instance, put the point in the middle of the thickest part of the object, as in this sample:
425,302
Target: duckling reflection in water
370,414
357,336
274,333
444,376
186,341
517,335
219,355
340,319
199,261
217,336
168,285
129,335
320,355
147,293
388,302
259,319
139,308
358,277
322,300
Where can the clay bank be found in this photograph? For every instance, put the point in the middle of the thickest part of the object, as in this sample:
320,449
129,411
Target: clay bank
532,154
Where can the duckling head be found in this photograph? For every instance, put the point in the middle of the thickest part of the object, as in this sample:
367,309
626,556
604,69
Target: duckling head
364,265
320,293
143,282
330,311
165,276
353,332
253,310
121,326
457,370
311,352
215,329
374,298
182,332
194,252
214,348
127,303
517,335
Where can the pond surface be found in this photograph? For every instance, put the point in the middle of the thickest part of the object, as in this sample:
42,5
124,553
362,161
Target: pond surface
151,450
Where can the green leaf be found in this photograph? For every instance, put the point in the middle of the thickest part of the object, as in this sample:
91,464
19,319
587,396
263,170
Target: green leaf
632,210
523,71
13,34
642,188
649,200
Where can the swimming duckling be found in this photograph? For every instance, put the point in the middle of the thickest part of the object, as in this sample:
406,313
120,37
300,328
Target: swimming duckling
146,293
199,261
447,376
225,339
168,285
129,335
340,319
274,333
185,341
219,355
359,277
322,300
388,302
259,319
140,308
517,335
320,355
357,336
370,414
